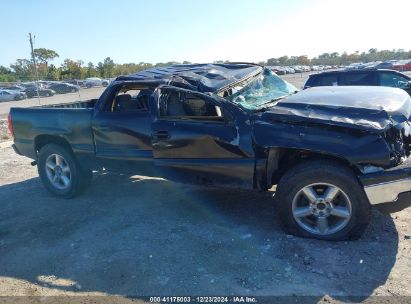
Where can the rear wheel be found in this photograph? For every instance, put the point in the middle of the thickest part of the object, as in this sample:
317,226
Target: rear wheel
323,200
60,172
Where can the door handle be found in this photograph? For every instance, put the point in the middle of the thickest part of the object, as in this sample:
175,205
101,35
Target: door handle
161,135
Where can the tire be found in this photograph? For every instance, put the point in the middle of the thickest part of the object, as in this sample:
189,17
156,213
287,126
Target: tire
324,200
67,179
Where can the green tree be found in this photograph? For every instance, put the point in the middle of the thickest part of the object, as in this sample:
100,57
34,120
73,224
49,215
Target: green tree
23,69
283,60
43,56
272,61
53,73
106,68
71,69
6,75
303,60
91,70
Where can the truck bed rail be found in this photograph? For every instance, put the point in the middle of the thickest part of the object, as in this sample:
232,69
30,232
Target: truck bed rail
87,104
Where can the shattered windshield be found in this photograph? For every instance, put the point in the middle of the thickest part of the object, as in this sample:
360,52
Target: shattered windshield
264,89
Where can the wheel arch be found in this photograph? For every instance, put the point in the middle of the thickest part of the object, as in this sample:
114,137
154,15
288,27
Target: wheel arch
280,160
41,140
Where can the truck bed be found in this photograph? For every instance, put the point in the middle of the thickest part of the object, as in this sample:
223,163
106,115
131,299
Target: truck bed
68,122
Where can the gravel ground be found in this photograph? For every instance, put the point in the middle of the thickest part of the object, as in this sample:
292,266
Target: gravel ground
140,236
4,131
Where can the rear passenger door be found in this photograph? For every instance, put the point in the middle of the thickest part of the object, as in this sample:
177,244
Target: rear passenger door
196,140
122,130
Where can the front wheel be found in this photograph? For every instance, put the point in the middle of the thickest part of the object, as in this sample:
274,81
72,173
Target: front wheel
323,200
60,172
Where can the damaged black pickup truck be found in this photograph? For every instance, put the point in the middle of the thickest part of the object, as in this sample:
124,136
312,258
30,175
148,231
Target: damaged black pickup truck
332,152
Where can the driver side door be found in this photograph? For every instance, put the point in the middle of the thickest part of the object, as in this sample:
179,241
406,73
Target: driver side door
196,140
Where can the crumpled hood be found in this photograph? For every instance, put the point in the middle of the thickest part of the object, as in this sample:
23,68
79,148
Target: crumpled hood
365,108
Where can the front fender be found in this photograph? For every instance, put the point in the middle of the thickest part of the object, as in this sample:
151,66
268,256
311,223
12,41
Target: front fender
355,146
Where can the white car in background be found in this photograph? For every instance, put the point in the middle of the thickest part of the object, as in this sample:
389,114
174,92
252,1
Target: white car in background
95,82
9,95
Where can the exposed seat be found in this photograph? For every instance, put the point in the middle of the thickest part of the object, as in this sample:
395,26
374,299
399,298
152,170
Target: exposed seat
174,106
143,99
123,102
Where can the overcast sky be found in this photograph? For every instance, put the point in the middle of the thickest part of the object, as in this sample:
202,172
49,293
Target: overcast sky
200,31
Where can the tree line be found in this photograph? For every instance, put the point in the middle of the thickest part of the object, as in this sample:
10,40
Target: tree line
336,58
23,69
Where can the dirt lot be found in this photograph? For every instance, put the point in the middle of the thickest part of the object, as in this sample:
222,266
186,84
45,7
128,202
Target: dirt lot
4,131
139,236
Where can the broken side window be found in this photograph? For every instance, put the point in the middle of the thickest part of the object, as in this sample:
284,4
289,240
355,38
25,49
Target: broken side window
183,105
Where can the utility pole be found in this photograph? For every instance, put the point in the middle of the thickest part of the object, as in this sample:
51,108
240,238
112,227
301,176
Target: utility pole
35,65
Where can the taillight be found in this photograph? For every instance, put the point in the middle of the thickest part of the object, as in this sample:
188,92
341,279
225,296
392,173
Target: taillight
10,124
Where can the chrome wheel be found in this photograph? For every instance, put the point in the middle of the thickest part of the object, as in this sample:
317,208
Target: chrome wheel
321,208
58,171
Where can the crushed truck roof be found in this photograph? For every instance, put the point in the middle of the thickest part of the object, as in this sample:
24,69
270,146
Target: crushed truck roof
197,77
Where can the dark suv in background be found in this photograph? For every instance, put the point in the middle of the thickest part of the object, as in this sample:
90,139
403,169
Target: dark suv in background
376,77
61,88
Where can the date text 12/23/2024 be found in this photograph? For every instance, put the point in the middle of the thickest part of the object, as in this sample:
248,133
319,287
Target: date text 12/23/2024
203,299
